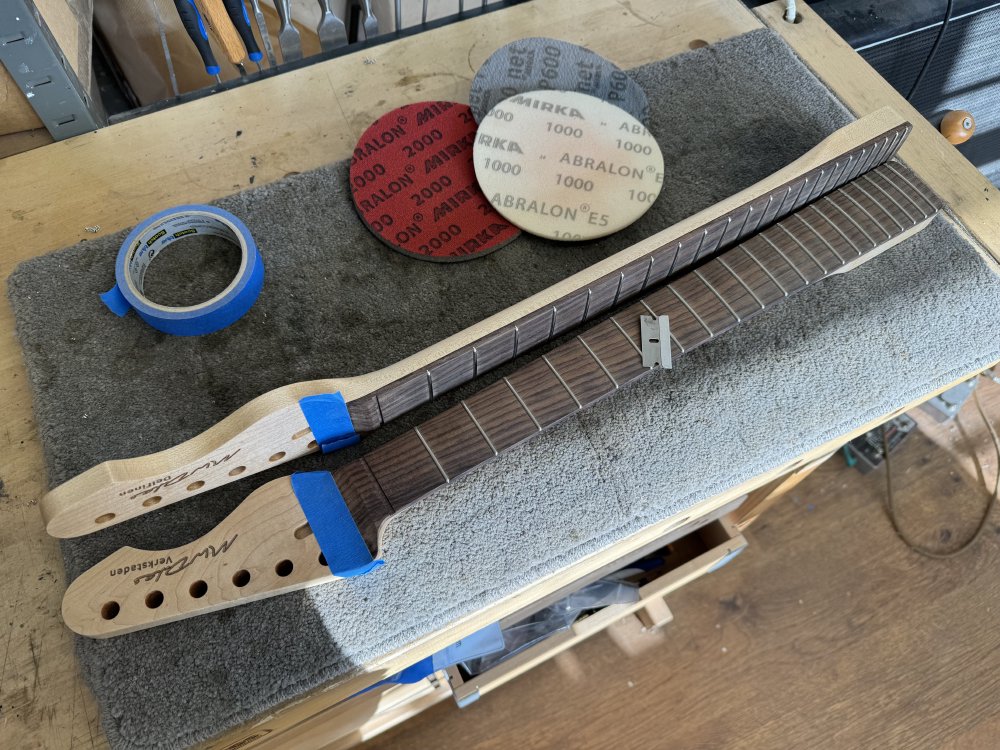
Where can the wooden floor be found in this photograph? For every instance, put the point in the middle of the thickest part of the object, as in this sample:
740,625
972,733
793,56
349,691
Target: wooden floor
826,633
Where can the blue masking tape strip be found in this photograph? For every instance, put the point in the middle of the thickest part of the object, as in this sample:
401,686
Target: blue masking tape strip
329,421
151,237
330,520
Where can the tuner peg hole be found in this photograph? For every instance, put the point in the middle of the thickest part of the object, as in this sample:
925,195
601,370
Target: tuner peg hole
322,559
312,445
154,599
237,471
198,589
284,568
149,502
303,531
302,433
277,456
241,578
104,518
195,486
110,610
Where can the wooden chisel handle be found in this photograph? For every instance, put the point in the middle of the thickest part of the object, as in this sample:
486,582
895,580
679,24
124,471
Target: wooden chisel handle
222,28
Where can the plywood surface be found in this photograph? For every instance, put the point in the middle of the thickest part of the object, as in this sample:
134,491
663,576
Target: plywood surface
212,147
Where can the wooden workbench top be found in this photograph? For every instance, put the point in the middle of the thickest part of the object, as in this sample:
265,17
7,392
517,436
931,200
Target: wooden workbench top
259,133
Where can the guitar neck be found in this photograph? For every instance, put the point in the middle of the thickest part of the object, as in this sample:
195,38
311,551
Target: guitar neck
266,546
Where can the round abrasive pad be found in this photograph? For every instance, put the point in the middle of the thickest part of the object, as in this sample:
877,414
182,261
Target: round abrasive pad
567,166
540,63
415,187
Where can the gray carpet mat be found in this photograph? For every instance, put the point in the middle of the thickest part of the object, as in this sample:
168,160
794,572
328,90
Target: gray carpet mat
337,303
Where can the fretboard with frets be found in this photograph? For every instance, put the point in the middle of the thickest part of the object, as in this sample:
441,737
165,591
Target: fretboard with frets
814,242
265,547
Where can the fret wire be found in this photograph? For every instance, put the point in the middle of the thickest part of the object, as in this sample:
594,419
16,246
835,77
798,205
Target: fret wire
701,244
697,254
586,305
844,174
904,193
621,280
886,193
564,383
878,203
787,260
820,183
434,458
481,430
516,336
816,183
649,270
743,283
552,324
430,383
475,363
523,405
797,241
669,332
859,168
839,231
716,293
598,361
781,202
873,159
850,219
751,256
835,182
866,212
892,148
745,220
677,254
690,309
619,327
763,213
820,237
800,199
916,189
792,203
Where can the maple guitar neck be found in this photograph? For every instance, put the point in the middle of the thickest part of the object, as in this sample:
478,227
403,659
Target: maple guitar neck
266,546
272,428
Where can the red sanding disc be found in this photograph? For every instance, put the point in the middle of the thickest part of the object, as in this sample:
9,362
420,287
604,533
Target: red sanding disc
414,184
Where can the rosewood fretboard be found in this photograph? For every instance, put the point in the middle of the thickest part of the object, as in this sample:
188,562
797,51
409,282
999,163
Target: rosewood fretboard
585,304
818,240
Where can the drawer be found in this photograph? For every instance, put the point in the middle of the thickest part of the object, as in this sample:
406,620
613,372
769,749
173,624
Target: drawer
685,559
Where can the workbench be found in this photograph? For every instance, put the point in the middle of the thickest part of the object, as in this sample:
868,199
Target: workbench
102,182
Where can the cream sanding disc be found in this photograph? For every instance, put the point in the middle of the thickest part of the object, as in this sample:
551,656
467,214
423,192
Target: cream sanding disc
551,64
566,166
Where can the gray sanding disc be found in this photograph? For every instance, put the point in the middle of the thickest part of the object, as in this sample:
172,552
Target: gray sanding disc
542,63
565,165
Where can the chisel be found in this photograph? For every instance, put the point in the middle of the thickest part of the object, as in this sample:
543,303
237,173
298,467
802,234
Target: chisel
288,35
331,30
370,22
265,35
238,15
191,19
218,23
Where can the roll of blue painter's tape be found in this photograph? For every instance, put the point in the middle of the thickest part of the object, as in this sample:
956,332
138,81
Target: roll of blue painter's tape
151,237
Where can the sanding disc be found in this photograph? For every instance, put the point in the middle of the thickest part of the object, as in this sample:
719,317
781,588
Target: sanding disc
414,184
567,166
539,63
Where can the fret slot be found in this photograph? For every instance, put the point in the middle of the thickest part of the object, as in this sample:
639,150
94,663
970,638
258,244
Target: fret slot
602,294
452,371
364,498
569,312
404,395
456,441
365,415
580,372
615,351
739,294
404,469
501,415
545,398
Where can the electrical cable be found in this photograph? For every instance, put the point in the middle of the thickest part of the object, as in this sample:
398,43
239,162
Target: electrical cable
889,502
934,48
